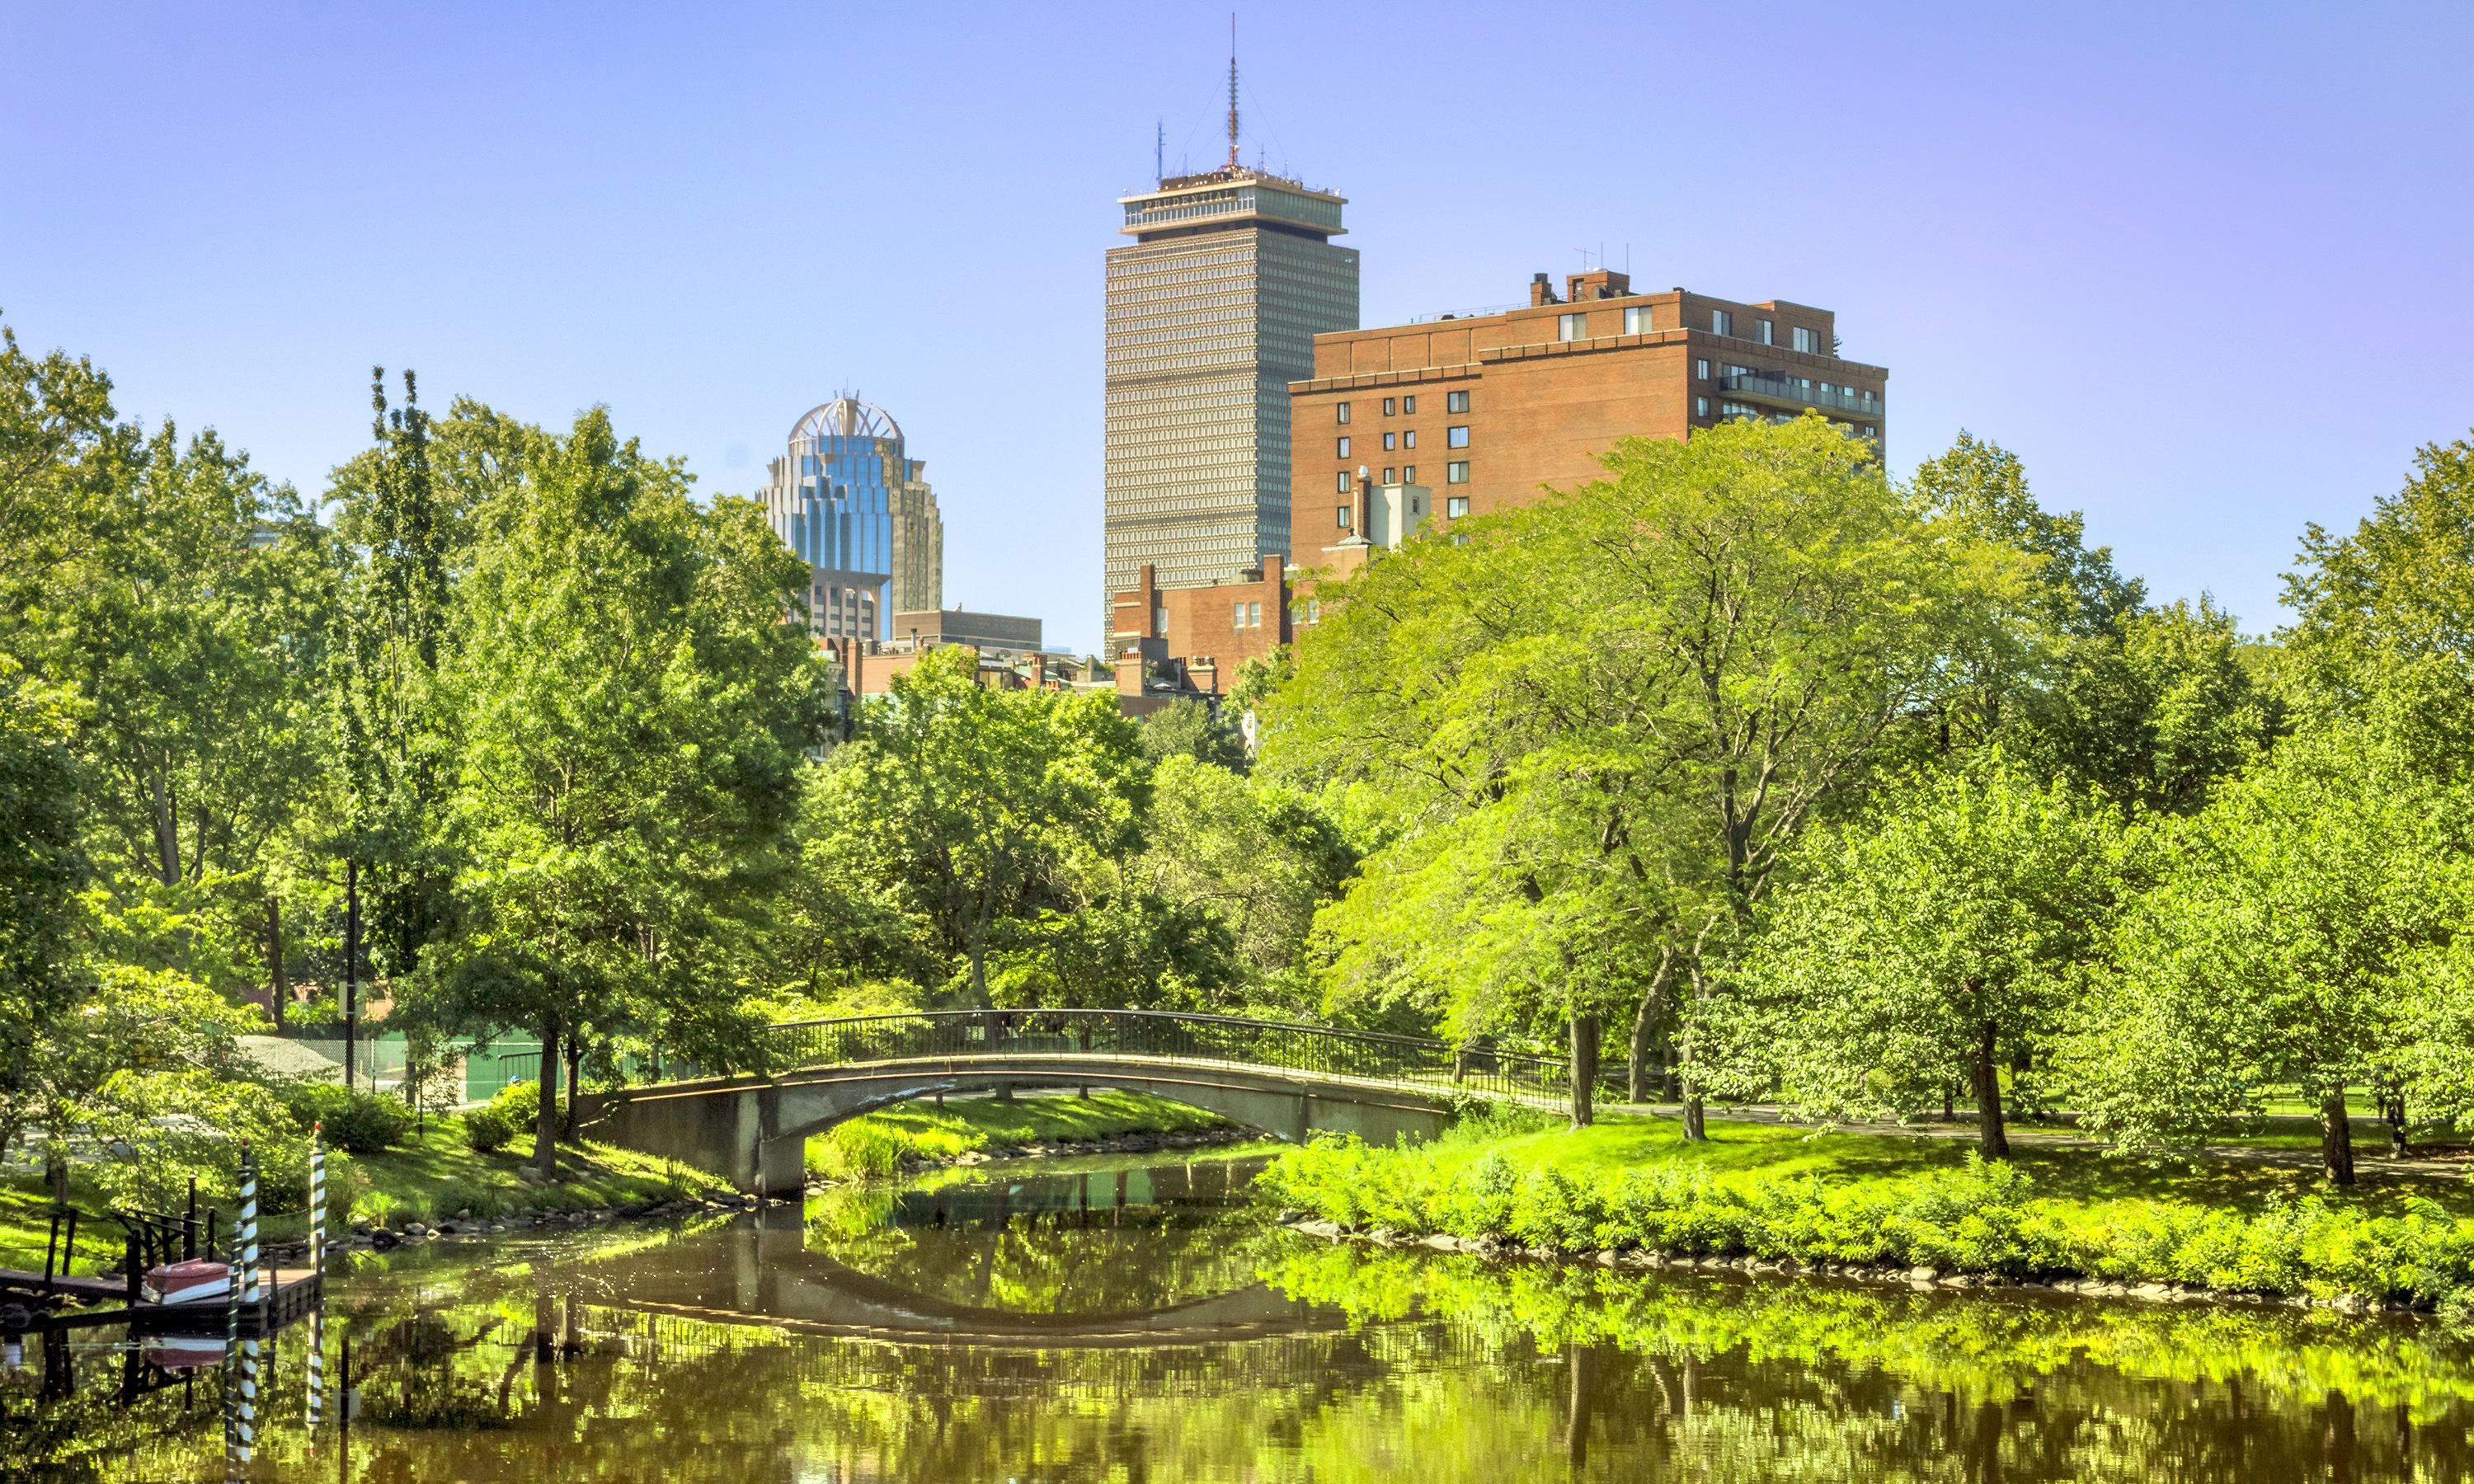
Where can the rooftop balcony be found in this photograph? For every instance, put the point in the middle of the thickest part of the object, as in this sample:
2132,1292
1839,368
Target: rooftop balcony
1799,393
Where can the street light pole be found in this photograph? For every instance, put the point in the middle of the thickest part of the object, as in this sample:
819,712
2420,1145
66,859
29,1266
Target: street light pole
352,965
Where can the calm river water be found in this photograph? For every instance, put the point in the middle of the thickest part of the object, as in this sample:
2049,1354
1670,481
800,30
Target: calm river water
1131,1321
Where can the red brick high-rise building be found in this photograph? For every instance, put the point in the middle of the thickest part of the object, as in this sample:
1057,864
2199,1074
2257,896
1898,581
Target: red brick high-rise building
1485,409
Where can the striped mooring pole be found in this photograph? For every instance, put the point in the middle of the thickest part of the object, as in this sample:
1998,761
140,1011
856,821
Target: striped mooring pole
241,1415
316,1268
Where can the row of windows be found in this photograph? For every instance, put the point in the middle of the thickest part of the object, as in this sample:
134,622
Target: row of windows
1406,406
1393,442
1722,322
1245,615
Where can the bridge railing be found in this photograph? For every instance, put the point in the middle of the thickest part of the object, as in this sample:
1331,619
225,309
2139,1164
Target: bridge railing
1181,1037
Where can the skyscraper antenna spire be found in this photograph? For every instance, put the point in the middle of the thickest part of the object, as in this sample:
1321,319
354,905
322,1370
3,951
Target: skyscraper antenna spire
1232,89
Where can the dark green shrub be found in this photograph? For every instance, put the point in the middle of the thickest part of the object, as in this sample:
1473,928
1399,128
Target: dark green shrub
359,1122
486,1129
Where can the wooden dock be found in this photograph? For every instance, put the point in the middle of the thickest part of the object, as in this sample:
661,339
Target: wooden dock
85,1288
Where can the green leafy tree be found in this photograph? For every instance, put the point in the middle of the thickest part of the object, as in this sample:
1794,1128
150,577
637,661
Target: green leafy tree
2267,955
979,803
2385,630
1192,729
1260,857
40,872
1934,943
58,447
632,711
1737,624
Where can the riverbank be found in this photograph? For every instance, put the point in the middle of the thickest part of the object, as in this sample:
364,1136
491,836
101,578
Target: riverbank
1766,1199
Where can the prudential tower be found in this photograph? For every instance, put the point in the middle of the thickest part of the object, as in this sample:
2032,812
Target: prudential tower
1212,311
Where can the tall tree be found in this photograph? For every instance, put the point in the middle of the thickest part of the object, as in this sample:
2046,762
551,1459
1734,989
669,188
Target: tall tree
975,800
1937,941
632,711
40,871
1734,625
2270,951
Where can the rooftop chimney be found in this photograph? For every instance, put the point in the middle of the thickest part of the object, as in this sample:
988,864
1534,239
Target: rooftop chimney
1540,291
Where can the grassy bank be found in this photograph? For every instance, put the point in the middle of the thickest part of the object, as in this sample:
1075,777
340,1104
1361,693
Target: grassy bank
877,1143
430,1174
1783,1194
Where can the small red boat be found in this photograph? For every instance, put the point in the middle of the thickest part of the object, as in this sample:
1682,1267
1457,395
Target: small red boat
197,1281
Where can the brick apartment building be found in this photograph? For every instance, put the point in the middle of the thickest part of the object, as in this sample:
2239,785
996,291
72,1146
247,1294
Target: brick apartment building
1189,640
1486,408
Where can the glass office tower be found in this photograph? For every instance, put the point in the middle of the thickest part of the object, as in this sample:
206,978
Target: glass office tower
849,500
1212,312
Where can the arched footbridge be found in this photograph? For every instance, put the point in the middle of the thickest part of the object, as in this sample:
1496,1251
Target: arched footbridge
1287,1079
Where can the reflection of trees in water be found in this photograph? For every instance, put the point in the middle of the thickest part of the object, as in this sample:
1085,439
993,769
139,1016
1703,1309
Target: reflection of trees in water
1084,1243
522,1371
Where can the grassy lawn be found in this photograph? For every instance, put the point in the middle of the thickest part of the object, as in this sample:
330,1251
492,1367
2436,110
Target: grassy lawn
431,1176
876,1143
1741,1154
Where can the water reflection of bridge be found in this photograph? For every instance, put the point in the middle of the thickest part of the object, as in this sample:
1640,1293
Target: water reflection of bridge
778,1279
1324,1359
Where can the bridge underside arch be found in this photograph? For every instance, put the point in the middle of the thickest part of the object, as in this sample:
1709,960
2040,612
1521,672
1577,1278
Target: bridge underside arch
754,1131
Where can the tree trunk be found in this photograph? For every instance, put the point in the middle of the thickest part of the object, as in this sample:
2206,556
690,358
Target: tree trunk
2393,1110
574,1064
279,986
167,835
1949,1104
2336,1139
545,1122
1643,1021
1696,1128
1585,1069
1991,1140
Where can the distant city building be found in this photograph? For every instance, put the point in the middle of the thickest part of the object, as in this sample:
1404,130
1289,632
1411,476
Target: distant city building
1485,409
1212,312
1189,640
995,633
849,499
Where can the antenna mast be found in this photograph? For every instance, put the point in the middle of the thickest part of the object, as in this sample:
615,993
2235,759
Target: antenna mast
1232,91
1159,150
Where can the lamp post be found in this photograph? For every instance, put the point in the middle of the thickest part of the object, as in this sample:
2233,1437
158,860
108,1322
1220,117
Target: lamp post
351,966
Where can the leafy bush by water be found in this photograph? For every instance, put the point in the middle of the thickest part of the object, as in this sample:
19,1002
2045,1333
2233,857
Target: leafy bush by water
361,1122
1985,1218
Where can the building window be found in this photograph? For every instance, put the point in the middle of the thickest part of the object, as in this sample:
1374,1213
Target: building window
1343,482
1455,401
1636,320
1807,341
1343,413
1700,407
1721,323
1409,475
1237,618
1409,406
1764,332
1391,441
1456,473
1343,449
1386,477
1409,440
1254,615
1159,626
1700,370
1314,609
1573,326
1738,410
1456,437
1344,518
1386,407
1457,507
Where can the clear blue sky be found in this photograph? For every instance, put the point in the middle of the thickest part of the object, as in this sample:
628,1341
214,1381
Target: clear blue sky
2209,268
